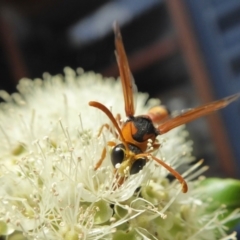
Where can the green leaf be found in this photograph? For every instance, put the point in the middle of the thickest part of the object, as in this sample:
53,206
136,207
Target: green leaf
221,192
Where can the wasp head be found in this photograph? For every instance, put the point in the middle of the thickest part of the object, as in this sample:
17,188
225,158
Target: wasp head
126,161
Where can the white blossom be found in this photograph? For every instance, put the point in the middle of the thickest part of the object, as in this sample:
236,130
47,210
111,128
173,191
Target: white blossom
49,145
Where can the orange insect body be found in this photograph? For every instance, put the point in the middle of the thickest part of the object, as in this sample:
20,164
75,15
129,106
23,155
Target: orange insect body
138,131
158,114
138,134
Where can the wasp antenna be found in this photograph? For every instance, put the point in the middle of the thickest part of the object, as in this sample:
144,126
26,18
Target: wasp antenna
172,171
110,116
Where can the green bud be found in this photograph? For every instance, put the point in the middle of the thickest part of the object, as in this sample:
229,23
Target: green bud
17,236
18,150
3,228
120,211
130,235
103,212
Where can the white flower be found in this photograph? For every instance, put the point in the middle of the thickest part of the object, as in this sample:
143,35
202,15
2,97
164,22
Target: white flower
49,146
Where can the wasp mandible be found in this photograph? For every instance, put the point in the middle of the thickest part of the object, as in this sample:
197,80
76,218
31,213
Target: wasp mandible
130,156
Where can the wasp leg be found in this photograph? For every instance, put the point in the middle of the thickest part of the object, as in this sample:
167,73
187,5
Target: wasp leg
118,119
107,126
103,155
102,127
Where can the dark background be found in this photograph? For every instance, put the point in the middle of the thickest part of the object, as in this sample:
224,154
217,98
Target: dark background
168,53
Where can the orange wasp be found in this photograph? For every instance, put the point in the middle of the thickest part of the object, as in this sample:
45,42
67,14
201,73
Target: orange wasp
130,156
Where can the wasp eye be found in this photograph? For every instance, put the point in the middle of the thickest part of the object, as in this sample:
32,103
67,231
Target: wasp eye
138,165
118,154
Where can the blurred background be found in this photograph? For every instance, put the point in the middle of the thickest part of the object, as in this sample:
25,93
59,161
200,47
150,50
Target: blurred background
185,52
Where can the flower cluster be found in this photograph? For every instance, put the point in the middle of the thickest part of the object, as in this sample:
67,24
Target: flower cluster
49,145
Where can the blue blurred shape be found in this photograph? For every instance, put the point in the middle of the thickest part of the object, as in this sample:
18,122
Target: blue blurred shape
100,22
217,25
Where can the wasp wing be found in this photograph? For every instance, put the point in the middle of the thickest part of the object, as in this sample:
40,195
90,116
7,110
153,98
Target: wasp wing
127,80
196,113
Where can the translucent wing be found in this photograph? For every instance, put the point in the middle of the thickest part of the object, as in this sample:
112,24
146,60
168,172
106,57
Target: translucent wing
127,80
196,113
